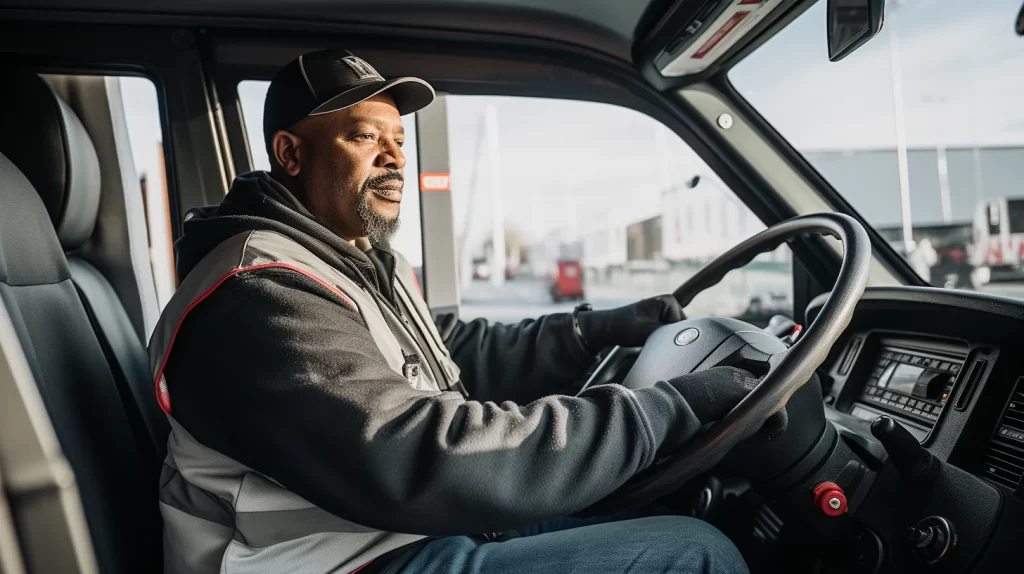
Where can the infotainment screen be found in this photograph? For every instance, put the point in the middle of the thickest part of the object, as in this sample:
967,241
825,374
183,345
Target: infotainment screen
914,383
903,379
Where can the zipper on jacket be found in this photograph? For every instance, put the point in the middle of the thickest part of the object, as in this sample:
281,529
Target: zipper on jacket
440,374
405,298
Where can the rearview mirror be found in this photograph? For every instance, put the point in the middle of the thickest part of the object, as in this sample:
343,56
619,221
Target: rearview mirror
850,24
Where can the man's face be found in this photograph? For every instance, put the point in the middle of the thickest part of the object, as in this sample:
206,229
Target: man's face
348,165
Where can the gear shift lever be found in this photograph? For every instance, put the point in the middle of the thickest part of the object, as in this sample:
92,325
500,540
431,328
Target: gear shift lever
912,461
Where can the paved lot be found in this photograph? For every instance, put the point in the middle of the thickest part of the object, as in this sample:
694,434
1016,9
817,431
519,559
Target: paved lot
525,298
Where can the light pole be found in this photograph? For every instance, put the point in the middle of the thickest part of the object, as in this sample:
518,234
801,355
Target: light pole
943,166
497,204
901,133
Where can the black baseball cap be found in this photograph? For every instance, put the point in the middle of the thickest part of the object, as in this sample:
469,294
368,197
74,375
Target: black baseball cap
330,80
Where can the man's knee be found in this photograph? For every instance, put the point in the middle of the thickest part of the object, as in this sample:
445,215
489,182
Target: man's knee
689,545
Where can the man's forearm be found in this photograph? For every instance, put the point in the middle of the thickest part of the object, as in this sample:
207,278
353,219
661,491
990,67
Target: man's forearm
521,362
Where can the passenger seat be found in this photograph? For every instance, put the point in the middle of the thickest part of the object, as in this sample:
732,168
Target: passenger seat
49,197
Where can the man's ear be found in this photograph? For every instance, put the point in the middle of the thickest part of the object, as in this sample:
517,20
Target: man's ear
287,148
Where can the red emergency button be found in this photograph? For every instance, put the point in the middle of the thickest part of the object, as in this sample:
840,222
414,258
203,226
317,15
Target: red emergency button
830,499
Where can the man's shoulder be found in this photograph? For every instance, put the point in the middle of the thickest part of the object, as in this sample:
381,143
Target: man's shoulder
256,265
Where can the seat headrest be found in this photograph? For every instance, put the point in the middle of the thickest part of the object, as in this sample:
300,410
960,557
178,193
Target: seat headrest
44,138
29,251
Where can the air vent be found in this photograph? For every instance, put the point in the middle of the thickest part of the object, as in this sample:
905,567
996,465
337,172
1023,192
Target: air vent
1014,415
1003,463
1004,460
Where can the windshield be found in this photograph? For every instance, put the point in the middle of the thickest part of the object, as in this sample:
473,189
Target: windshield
921,130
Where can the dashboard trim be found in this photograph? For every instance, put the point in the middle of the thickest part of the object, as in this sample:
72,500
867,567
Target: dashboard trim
969,300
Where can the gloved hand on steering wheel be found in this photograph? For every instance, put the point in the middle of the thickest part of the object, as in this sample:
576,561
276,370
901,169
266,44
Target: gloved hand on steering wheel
627,326
712,393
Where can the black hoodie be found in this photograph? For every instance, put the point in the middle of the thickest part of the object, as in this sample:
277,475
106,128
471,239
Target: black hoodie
272,372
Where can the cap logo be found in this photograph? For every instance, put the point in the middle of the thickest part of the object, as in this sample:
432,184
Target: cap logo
362,70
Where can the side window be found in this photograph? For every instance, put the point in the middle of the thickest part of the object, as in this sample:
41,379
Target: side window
409,239
597,202
142,120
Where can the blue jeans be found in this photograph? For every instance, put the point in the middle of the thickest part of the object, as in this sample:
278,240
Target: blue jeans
670,544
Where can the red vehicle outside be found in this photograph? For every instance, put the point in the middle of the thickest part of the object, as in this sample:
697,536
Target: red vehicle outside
567,281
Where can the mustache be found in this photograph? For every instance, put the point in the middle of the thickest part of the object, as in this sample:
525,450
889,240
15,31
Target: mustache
378,180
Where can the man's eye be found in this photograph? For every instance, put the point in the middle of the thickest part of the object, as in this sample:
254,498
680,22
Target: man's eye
365,137
400,142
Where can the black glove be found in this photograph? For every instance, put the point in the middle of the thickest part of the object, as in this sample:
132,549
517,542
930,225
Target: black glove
711,394
628,326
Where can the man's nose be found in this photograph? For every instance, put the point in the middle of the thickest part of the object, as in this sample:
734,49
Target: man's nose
391,156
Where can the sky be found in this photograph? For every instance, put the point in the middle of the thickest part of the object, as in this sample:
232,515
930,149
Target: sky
570,166
960,64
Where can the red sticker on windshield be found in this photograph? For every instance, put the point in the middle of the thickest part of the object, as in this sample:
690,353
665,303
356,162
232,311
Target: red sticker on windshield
435,182
715,38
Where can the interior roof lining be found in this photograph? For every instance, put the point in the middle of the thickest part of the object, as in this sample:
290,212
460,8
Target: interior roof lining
495,19
459,21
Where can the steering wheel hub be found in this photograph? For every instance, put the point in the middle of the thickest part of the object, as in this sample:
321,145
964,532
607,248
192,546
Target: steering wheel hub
687,336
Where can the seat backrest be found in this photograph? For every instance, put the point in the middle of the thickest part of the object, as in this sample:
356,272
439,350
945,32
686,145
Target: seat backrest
127,359
88,410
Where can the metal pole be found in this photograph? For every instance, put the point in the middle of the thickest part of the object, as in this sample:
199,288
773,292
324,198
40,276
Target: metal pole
901,138
943,165
497,205
468,228
979,192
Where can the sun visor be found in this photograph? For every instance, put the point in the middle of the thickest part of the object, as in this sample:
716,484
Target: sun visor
714,28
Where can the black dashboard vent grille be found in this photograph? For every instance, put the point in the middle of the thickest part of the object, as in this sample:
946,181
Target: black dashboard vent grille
1003,463
1004,460
1015,409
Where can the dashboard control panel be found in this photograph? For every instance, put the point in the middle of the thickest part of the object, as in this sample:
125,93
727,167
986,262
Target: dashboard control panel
912,383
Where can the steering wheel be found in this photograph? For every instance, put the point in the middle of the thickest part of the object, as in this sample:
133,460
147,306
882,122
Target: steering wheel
698,344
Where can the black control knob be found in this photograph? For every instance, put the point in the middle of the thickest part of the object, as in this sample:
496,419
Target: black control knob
930,385
931,539
911,460
919,538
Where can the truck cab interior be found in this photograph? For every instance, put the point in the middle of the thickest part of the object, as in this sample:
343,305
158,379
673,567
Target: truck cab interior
905,453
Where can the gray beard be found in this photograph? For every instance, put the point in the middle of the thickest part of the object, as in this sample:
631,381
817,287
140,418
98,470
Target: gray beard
376,227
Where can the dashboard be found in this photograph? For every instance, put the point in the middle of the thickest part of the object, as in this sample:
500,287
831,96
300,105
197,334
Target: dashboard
944,364
947,365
